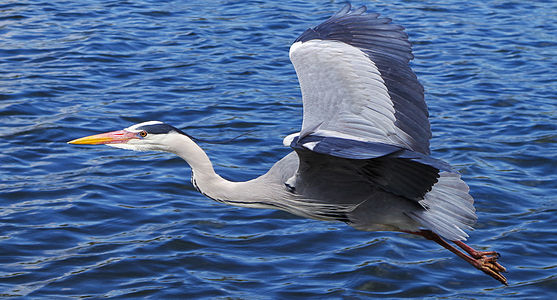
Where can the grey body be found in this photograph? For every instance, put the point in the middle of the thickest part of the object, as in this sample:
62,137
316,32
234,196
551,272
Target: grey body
349,197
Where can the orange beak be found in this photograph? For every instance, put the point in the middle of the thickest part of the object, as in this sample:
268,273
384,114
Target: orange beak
113,137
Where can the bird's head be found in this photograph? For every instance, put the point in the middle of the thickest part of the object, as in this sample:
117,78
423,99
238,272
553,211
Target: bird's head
146,136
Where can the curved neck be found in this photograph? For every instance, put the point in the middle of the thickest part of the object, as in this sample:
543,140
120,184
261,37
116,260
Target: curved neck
210,184
201,166
266,191
198,160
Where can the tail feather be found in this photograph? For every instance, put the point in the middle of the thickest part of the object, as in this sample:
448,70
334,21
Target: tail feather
449,208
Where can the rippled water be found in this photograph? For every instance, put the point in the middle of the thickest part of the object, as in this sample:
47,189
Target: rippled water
102,222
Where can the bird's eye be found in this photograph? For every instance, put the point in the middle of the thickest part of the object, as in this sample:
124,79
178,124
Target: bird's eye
143,133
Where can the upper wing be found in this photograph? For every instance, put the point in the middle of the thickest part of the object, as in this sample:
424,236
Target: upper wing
356,82
365,132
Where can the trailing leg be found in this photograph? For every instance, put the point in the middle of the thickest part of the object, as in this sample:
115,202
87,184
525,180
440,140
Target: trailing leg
484,261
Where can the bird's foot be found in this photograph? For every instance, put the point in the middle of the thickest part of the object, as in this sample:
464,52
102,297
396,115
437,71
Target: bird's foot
487,263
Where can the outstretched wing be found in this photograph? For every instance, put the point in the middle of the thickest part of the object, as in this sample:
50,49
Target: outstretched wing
365,132
356,82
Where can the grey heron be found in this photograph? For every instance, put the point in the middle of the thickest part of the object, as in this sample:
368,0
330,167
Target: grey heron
362,155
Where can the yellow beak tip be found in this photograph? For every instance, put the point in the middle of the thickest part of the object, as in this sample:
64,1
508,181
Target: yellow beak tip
80,141
113,137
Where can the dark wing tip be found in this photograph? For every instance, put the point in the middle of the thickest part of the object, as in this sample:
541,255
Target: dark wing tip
367,31
343,11
347,10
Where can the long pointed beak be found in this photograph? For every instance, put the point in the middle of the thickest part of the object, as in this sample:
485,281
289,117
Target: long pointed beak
114,137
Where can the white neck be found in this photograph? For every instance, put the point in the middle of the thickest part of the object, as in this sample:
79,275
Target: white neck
209,183
266,191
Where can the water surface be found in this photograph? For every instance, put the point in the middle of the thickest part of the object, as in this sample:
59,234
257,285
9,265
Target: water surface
102,222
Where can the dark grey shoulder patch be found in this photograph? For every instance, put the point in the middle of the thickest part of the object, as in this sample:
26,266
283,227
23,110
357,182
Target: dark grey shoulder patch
360,150
399,171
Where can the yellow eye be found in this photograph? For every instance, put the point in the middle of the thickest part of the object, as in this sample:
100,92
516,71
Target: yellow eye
143,133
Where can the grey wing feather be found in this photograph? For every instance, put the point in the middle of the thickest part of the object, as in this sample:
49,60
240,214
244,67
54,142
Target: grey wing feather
387,47
450,208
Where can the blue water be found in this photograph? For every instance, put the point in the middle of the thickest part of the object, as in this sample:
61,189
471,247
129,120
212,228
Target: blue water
102,222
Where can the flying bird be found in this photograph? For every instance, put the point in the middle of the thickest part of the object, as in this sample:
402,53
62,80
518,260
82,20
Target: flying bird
362,155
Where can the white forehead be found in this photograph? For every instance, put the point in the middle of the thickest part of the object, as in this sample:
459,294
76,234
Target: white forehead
133,128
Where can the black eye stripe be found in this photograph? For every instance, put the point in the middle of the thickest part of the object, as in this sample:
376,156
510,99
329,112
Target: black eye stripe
159,129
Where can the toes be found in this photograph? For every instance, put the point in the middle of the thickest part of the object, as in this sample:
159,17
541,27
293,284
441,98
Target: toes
482,254
490,266
502,279
499,267
492,271
493,264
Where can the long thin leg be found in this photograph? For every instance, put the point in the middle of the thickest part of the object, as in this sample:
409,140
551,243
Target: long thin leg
480,260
